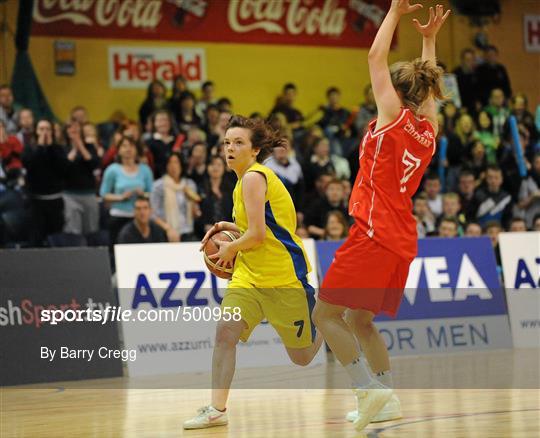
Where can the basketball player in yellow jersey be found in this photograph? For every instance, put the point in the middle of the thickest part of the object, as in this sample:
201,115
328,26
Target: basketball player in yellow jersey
270,271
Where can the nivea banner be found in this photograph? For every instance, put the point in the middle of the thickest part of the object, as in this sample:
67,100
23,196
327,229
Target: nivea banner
175,305
453,299
520,255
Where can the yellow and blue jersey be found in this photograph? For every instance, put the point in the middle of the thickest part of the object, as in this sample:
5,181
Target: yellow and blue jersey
281,258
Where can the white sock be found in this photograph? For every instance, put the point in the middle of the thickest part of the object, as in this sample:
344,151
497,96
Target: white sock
385,377
360,375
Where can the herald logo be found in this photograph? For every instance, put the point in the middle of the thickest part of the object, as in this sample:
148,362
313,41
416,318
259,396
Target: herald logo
135,67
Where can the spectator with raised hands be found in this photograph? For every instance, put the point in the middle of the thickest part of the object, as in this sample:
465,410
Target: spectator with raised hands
122,183
81,204
46,168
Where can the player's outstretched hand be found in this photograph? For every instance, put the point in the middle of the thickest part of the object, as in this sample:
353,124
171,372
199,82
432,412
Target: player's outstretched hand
403,7
436,20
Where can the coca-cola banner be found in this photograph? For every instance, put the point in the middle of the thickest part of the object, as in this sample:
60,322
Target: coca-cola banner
340,23
135,67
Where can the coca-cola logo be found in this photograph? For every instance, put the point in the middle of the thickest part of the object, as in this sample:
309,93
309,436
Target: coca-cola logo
287,16
136,13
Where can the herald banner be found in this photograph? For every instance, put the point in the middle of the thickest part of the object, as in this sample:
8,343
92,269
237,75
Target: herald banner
453,300
335,23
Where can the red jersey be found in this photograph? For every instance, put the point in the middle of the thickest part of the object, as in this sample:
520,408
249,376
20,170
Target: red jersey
392,163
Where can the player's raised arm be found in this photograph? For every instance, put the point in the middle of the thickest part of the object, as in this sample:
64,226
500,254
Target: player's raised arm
429,32
387,100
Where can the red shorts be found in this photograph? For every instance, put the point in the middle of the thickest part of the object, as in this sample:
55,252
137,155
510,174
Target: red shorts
365,275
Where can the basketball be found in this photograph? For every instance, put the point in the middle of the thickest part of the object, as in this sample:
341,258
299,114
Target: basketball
211,248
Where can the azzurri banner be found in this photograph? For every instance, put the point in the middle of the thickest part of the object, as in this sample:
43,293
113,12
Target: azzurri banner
453,299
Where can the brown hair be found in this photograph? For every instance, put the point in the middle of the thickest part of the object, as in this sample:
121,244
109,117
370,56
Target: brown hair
341,219
132,141
416,81
263,137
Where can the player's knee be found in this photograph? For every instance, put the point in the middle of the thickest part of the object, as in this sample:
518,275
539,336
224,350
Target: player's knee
226,336
364,327
317,316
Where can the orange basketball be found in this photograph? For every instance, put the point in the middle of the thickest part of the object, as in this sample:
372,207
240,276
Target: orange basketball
211,248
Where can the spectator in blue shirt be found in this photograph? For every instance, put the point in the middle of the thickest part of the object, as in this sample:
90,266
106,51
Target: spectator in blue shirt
123,182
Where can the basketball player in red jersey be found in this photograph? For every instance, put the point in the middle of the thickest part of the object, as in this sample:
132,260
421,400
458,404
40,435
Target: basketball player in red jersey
370,269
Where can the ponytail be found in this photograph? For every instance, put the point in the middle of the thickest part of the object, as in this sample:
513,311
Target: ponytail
416,81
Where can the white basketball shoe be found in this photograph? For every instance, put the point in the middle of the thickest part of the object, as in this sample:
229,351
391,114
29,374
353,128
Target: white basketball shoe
207,417
370,402
391,411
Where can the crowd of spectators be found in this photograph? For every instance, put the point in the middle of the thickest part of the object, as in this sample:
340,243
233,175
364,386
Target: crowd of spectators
164,178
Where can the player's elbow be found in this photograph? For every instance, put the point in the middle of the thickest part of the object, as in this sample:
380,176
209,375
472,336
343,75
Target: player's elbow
374,56
256,235
259,236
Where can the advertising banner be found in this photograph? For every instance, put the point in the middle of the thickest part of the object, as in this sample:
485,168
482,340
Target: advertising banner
176,303
520,256
531,33
34,350
336,23
135,67
452,300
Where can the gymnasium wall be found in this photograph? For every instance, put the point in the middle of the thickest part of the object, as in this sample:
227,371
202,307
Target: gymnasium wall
507,35
252,75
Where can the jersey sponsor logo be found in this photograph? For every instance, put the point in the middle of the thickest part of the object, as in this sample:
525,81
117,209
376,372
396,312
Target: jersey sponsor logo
425,138
411,163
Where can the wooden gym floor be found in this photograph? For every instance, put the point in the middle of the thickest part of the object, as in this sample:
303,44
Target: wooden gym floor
93,409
